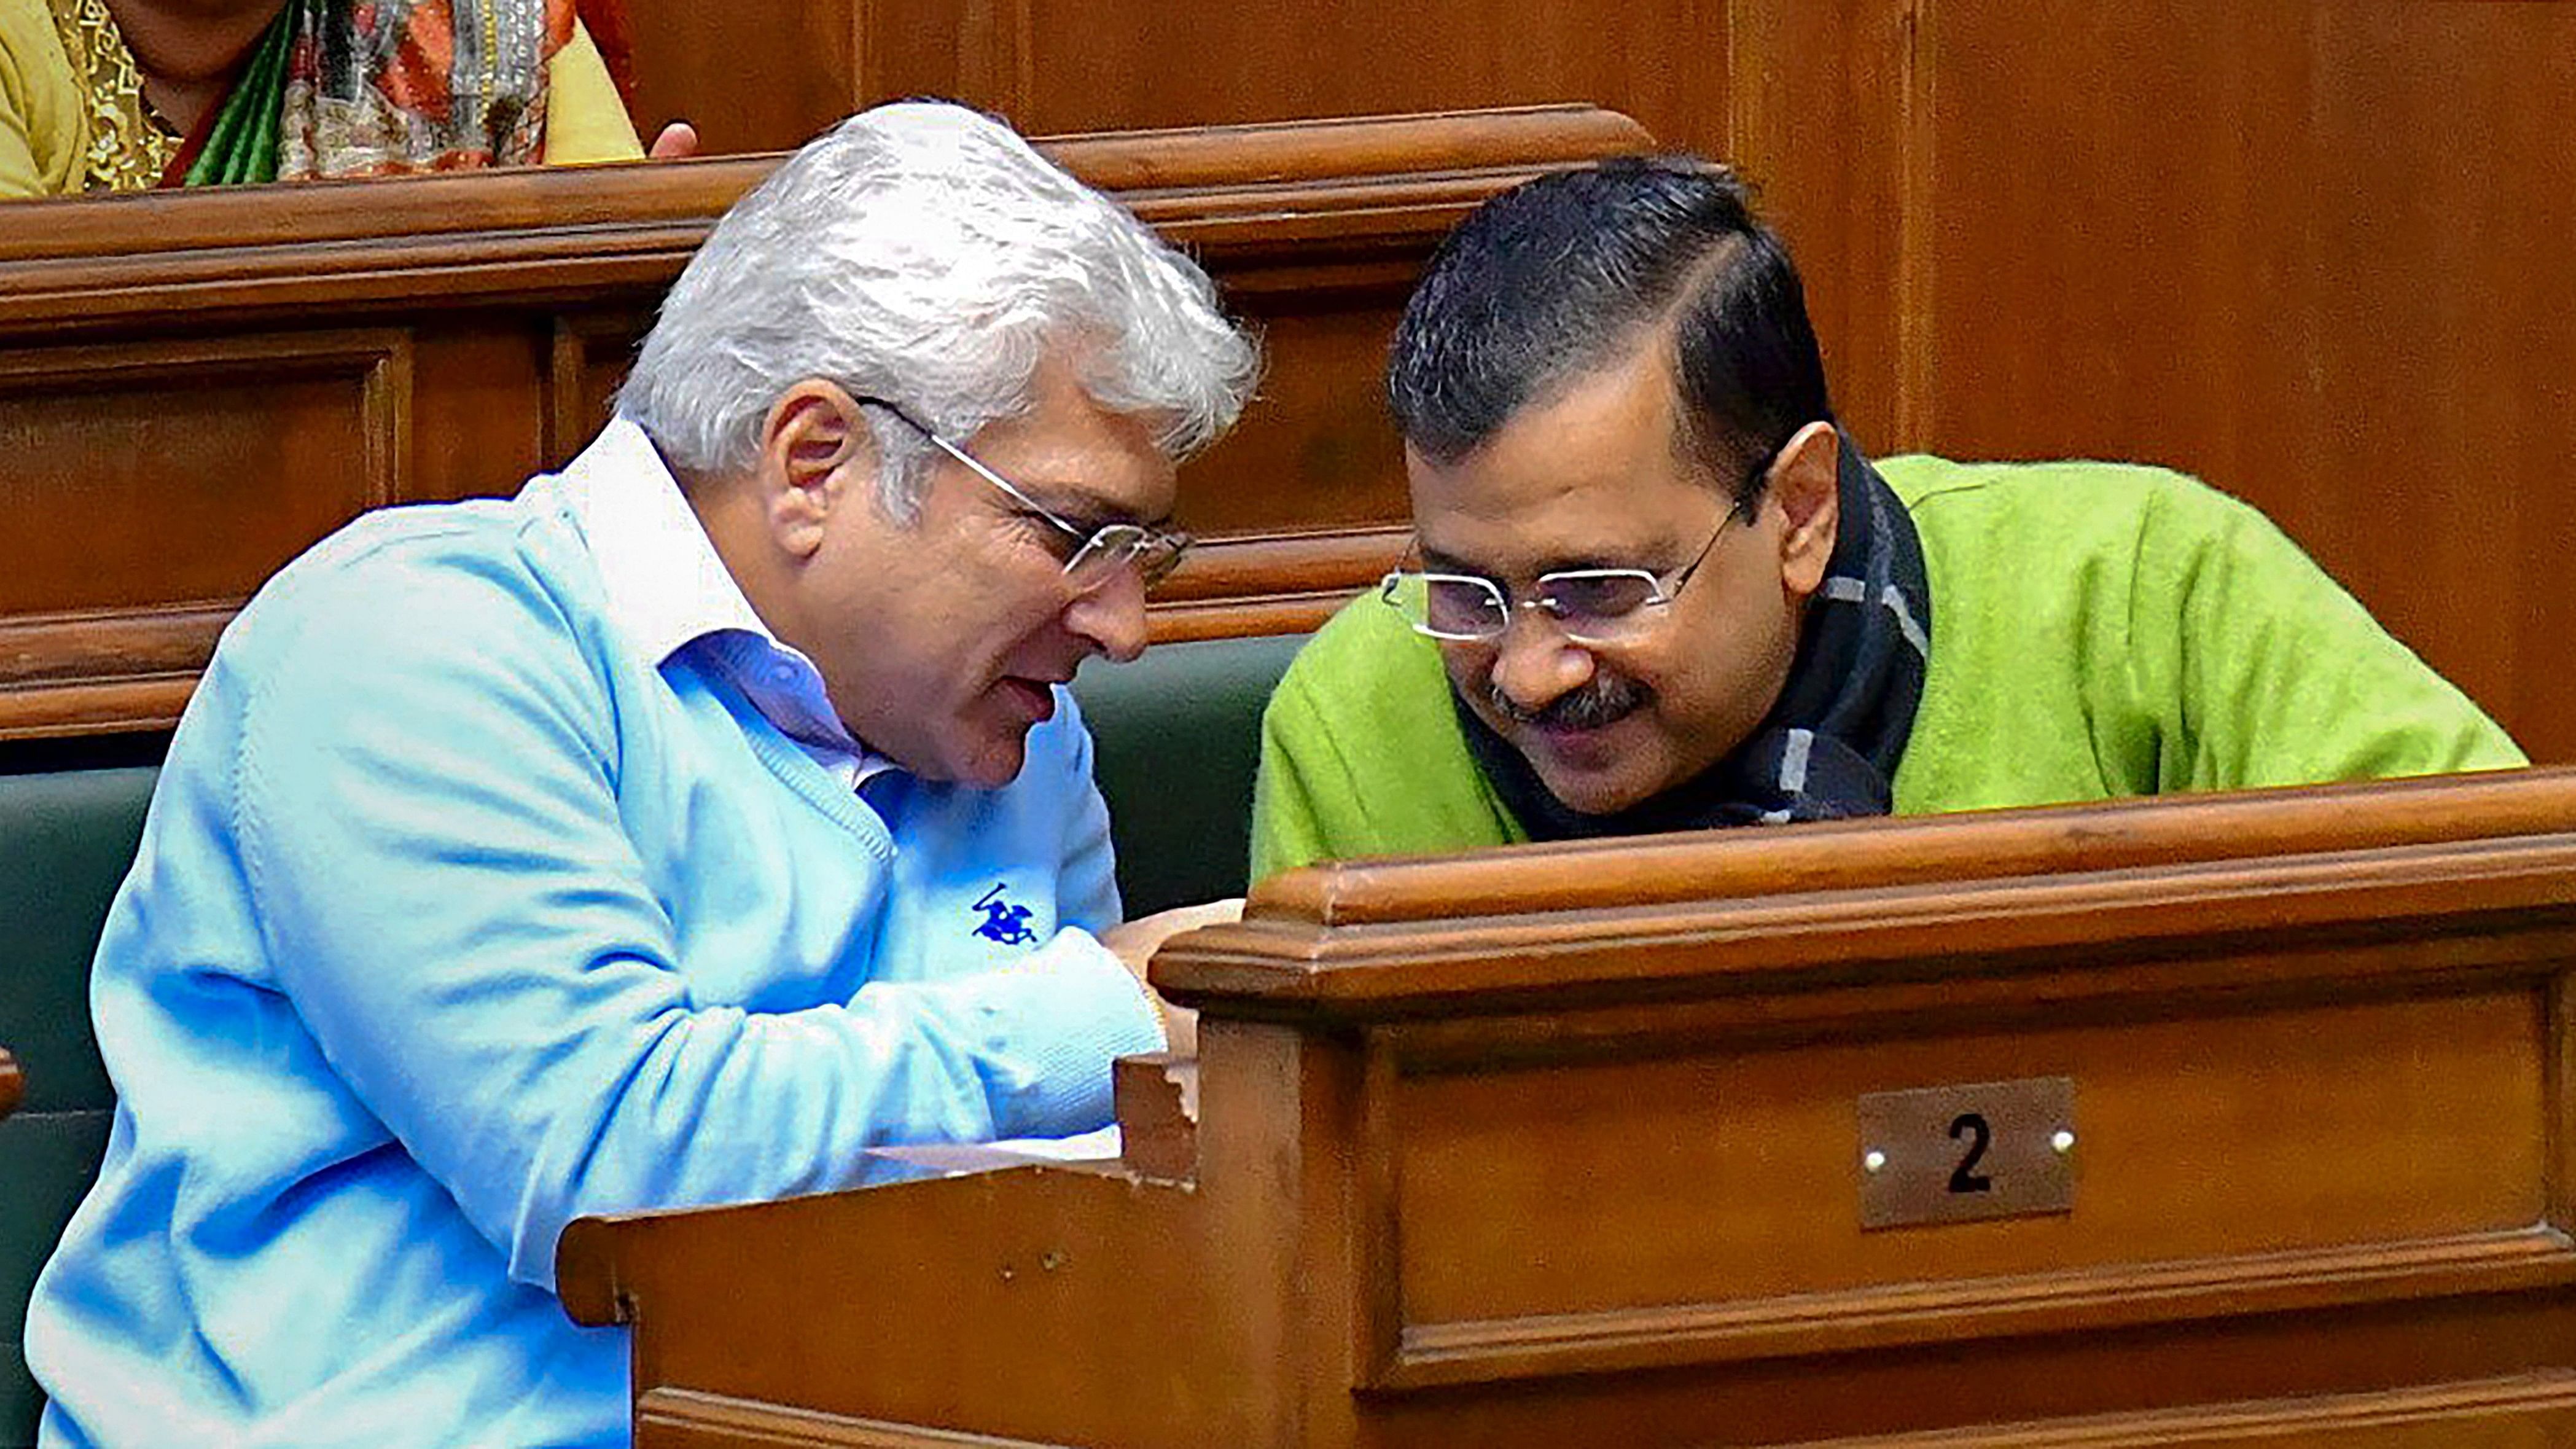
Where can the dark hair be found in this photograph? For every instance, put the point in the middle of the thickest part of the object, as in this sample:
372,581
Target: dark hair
1562,275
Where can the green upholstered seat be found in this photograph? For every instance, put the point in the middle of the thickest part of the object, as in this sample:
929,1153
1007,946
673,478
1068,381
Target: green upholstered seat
66,839
1178,733
1178,738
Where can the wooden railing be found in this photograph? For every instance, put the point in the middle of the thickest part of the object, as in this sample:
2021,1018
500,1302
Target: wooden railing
2184,1121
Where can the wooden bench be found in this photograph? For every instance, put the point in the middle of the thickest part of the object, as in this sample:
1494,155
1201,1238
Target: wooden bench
2227,1120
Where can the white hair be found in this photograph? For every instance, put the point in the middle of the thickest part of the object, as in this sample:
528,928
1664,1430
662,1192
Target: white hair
924,254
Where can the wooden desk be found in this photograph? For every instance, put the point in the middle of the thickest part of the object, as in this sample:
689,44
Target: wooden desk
1572,1146
13,1086
196,385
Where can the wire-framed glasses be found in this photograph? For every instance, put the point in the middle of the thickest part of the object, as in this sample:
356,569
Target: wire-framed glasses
1091,557
1590,606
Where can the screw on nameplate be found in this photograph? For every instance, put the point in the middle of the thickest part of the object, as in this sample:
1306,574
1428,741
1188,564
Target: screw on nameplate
1975,1150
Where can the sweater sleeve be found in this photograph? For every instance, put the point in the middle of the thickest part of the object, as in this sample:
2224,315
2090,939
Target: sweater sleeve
1361,753
1289,791
1087,884
433,843
2266,672
1087,900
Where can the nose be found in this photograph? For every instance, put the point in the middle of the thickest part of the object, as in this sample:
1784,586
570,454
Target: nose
1112,617
1535,664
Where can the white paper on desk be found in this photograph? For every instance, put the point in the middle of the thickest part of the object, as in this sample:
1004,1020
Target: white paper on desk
1082,1147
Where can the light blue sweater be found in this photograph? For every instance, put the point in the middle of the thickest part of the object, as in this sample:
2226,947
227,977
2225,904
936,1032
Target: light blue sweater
456,919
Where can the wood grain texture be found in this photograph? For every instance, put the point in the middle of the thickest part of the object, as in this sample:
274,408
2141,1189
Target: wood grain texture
103,672
245,371
2528,1411
1550,1170
108,450
1272,583
2313,253
2206,1142
1286,196
764,76
751,78
1888,852
1156,1098
154,484
679,1419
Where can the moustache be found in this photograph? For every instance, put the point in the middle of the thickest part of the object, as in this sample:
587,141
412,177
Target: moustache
1601,701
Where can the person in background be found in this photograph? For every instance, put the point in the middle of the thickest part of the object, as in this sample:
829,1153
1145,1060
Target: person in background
129,95
673,833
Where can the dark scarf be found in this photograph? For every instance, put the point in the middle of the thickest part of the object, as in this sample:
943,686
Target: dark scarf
1831,742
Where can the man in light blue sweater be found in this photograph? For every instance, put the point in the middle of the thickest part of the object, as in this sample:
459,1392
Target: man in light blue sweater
669,834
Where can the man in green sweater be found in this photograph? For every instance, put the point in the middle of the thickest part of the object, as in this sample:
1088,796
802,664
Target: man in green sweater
1656,588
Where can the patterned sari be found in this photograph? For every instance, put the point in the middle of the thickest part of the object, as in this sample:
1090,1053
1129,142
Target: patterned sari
334,88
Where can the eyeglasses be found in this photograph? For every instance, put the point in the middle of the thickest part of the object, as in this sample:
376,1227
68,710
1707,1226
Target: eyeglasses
1092,557
1591,606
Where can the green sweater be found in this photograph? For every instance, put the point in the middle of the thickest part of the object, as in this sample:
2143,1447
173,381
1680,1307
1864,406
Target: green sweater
2098,630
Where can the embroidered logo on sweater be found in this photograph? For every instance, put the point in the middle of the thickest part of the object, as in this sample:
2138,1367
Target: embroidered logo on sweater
1003,921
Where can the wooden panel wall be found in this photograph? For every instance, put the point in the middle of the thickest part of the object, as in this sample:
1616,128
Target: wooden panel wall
766,74
2321,252
2317,254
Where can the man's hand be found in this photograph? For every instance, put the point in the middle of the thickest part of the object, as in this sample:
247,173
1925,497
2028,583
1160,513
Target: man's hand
1135,943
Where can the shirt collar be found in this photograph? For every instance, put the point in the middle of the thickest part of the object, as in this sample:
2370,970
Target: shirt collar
667,588
665,583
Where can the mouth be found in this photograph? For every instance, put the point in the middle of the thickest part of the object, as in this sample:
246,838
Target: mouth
1583,744
1034,698
1577,729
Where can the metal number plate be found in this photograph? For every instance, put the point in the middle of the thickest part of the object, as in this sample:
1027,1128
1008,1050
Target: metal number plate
1981,1150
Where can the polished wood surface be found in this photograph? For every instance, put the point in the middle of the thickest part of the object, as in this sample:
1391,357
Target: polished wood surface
765,75
2312,251
195,386
13,1085
1559,1145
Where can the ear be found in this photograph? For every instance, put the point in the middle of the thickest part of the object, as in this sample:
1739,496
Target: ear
1806,483
816,454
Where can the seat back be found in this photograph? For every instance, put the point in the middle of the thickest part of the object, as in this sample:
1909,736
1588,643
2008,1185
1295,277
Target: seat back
1177,736
66,839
